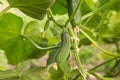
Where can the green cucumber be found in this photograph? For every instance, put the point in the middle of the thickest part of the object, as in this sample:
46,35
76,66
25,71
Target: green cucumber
64,50
71,5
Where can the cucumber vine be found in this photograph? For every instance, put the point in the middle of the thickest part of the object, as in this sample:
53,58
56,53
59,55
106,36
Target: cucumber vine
21,42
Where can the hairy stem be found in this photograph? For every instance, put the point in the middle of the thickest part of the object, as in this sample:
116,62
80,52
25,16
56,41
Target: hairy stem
72,12
74,44
106,52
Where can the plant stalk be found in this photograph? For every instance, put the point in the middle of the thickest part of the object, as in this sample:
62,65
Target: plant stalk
97,10
106,52
52,18
39,47
72,12
103,63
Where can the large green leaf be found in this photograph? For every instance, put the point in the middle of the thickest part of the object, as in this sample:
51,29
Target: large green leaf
33,31
59,7
16,47
34,8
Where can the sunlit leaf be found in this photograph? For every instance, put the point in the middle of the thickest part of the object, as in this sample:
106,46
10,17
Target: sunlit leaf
17,48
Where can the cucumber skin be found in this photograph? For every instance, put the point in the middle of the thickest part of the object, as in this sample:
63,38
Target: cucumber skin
64,51
71,5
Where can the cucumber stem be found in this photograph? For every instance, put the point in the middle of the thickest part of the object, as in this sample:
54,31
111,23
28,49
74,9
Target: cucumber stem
76,54
52,18
39,47
74,44
74,33
103,63
106,52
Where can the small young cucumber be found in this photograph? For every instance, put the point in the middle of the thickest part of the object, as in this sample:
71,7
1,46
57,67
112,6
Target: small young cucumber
47,25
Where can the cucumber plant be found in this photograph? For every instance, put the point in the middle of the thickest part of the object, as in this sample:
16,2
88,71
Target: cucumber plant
87,22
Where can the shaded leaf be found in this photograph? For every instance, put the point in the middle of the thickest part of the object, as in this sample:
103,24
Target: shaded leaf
84,41
33,8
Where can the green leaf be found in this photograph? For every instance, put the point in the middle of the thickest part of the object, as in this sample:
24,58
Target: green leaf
84,41
33,31
59,7
116,5
10,39
16,47
90,4
94,22
111,33
65,67
33,8
56,74
36,73
87,6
